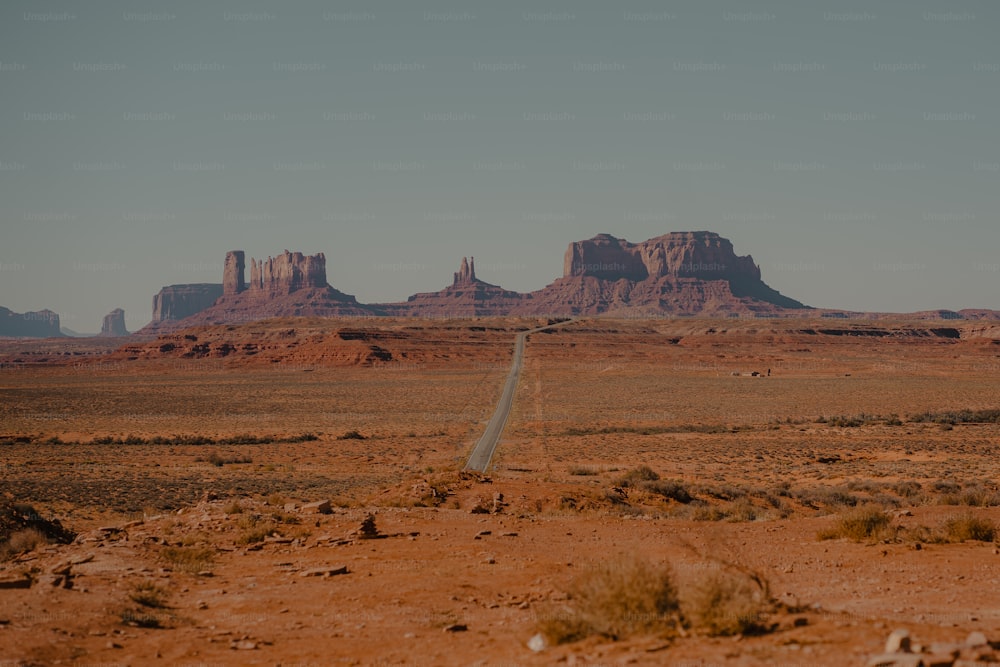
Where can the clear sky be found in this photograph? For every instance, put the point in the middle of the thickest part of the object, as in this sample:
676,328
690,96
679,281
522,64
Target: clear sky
853,148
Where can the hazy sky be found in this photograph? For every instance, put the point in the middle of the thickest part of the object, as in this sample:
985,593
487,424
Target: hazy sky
852,148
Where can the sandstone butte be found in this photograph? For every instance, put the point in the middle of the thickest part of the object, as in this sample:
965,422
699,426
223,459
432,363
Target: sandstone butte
114,324
680,274
677,274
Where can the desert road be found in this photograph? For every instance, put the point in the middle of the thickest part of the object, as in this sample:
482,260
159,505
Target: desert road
482,453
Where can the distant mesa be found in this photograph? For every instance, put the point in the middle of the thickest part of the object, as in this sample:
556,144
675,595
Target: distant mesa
680,274
467,296
289,285
40,324
114,324
174,303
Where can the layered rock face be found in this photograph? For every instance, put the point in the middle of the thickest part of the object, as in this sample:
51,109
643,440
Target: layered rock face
233,273
40,324
289,285
681,273
467,296
466,274
114,324
287,273
175,302
702,255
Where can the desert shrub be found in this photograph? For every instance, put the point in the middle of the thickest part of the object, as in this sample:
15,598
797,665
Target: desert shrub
219,460
351,435
959,417
907,489
861,524
708,512
641,474
943,486
669,489
255,529
189,559
581,471
827,495
743,510
724,602
21,542
617,599
970,527
276,500
233,508
148,594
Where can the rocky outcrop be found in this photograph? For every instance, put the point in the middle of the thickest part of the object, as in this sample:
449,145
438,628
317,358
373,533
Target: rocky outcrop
681,273
176,302
702,255
286,273
289,285
114,324
466,274
40,324
467,296
233,273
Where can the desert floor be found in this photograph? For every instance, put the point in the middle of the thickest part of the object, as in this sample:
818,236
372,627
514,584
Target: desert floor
189,469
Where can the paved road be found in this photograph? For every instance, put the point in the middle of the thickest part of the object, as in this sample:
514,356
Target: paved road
482,453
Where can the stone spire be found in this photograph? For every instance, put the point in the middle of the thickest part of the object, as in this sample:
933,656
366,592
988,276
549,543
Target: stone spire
466,272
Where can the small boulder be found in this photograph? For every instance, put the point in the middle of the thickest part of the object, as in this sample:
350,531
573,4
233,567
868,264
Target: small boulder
319,507
898,642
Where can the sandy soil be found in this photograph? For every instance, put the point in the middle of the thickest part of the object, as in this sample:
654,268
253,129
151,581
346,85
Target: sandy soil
467,569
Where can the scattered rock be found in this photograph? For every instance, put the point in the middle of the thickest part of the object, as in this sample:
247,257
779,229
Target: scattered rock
976,639
243,645
457,627
896,660
318,507
898,642
324,571
537,643
14,581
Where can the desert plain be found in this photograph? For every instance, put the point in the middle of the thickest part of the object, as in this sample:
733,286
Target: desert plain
677,492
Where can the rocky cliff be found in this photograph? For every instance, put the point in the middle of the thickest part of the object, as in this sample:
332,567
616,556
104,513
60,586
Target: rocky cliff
287,273
289,285
681,273
40,324
176,302
467,296
114,324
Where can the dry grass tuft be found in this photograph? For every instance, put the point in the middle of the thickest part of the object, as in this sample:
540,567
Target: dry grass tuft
970,527
725,603
863,523
21,542
618,599
189,559
148,594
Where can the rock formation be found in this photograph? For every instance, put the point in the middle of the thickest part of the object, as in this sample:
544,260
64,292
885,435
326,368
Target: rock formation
466,274
682,273
40,324
286,273
467,296
114,324
289,285
176,302
233,273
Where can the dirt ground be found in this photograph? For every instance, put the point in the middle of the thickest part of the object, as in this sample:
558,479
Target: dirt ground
189,468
